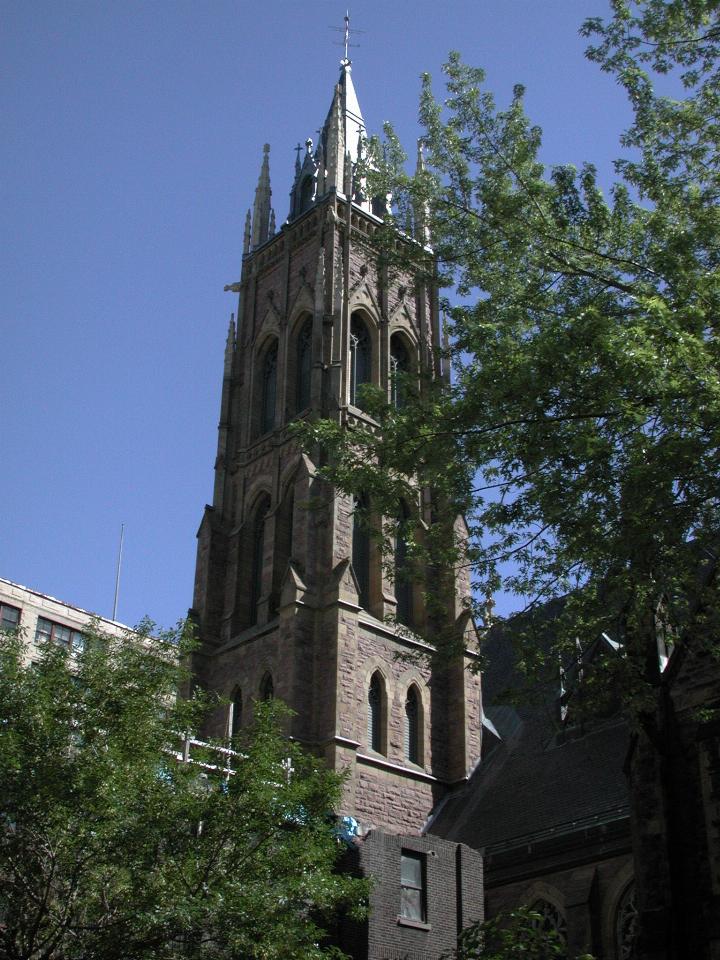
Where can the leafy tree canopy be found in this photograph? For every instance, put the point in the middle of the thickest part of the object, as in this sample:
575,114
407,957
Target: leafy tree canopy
111,847
520,933
580,435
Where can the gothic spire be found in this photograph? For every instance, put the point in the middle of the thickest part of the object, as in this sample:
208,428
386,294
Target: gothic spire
261,209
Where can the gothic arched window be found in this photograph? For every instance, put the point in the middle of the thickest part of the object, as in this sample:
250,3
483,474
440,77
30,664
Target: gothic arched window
267,690
303,366
361,549
626,925
399,365
258,557
413,726
269,388
360,358
376,710
550,920
403,586
236,715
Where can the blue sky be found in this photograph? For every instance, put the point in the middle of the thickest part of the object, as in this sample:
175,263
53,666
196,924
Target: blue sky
131,142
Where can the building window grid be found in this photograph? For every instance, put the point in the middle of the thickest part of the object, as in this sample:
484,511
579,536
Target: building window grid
413,900
9,617
48,631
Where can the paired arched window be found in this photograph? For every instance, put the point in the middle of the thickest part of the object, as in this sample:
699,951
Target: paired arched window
267,690
360,357
399,366
375,714
269,388
303,366
361,548
236,715
413,726
258,556
403,584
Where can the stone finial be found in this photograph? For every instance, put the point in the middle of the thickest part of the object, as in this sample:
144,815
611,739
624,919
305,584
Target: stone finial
248,232
320,161
271,230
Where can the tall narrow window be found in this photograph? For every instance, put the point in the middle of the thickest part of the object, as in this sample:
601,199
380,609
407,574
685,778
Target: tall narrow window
403,585
236,706
267,689
412,726
375,714
626,925
269,389
258,558
282,554
361,549
412,886
360,358
303,366
399,366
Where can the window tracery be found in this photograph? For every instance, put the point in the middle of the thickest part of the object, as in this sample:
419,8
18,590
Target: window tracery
303,366
551,919
399,365
360,358
626,925
269,389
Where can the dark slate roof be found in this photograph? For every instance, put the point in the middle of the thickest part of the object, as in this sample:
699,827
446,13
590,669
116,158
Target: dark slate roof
539,777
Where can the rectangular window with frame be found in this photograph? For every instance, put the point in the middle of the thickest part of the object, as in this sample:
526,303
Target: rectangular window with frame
9,617
412,886
50,632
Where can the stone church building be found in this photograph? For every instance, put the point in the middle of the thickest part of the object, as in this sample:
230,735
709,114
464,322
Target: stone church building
292,601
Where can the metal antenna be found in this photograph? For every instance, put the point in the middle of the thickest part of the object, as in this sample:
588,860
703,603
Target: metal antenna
117,572
345,42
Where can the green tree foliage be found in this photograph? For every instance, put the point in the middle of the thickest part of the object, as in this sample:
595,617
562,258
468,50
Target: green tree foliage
520,933
112,847
581,433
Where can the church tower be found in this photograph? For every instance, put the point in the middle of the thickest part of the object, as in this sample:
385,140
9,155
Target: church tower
290,595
